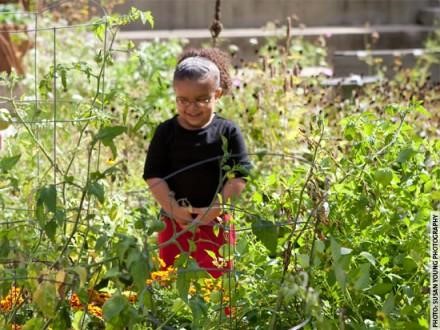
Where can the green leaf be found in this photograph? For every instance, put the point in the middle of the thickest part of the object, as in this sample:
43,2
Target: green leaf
69,179
45,87
34,324
339,274
192,246
64,79
100,30
303,260
107,134
114,306
156,226
216,230
7,163
335,249
384,176
423,322
345,251
229,281
257,197
211,254
388,305
112,272
50,229
405,155
319,246
40,214
181,260
409,264
79,321
44,297
363,277
422,110
146,16
139,271
47,196
369,257
242,246
182,284
225,251
62,319
97,190
5,245
338,261
82,273
435,195
199,311
267,233
381,288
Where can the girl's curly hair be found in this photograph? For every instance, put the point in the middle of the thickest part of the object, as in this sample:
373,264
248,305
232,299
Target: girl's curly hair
219,57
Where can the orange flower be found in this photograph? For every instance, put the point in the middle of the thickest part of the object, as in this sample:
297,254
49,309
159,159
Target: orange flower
192,290
163,277
159,261
13,298
94,310
95,297
74,301
131,296
209,286
98,298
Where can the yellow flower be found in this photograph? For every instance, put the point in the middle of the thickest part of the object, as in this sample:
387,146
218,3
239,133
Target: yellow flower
111,161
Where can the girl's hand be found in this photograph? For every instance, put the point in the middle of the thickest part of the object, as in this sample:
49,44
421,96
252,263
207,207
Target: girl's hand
182,216
206,214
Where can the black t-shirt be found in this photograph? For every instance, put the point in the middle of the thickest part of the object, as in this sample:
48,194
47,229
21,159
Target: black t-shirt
191,160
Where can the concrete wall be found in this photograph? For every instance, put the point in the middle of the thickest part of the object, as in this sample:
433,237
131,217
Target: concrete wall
184,14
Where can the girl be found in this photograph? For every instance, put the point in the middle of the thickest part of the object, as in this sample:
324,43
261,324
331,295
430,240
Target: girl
184,166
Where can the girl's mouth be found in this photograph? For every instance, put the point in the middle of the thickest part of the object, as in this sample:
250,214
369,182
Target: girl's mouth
193,115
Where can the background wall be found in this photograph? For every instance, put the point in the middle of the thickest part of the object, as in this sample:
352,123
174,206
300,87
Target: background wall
185,14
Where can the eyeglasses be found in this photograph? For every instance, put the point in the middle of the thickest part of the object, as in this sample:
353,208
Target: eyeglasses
199,103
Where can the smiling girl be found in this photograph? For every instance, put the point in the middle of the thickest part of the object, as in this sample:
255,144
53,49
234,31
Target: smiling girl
184,169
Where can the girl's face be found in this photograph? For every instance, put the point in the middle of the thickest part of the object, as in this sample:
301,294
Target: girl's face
195,101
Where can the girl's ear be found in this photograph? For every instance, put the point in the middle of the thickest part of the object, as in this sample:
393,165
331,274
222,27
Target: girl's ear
218,92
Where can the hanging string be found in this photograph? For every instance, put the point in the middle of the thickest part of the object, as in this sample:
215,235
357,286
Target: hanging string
216,26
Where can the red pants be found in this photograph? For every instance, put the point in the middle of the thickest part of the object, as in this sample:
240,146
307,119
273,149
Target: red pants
204,238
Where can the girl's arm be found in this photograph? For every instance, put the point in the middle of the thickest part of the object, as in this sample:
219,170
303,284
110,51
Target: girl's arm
232,189
163,195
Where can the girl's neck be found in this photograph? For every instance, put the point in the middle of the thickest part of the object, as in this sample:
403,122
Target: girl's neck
179,120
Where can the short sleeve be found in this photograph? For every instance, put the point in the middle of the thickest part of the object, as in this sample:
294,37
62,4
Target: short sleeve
156,158
239,156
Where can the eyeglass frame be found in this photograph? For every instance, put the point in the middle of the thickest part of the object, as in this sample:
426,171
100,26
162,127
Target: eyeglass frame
200,103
